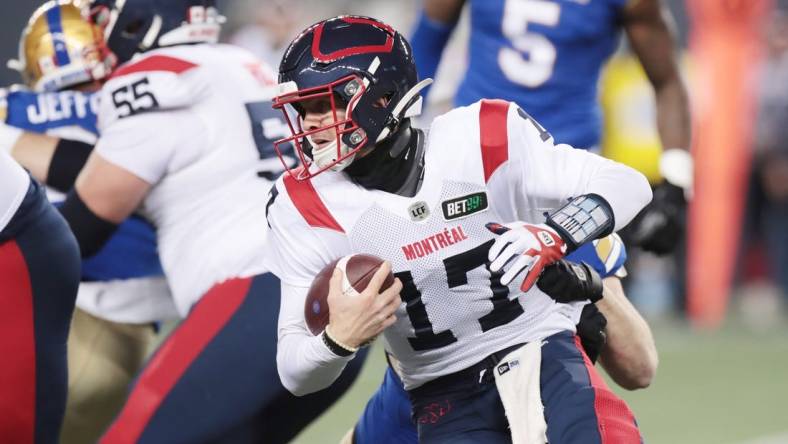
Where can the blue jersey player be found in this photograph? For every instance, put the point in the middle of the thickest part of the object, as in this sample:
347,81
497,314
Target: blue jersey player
625,346
546,56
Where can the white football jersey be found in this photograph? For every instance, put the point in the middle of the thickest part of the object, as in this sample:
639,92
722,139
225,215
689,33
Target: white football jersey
186,120
489,162
14,182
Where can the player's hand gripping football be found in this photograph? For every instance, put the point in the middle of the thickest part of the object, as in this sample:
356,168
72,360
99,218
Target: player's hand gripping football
523,247
357,319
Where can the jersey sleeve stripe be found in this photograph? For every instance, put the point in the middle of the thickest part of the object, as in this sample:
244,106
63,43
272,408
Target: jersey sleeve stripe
155,63
493,135
308,203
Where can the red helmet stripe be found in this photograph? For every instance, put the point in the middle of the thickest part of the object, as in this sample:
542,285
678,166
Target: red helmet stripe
355,50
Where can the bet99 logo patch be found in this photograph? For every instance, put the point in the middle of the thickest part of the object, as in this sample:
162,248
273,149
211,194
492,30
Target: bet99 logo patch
464,206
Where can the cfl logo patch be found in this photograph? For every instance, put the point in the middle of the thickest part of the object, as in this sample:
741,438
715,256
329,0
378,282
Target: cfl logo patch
546,239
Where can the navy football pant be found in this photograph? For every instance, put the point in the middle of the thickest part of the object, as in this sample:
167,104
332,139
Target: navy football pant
215,378
578,407
39,278
387,418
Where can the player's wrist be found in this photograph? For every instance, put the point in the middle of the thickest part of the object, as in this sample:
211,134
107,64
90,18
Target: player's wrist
593,283
337,346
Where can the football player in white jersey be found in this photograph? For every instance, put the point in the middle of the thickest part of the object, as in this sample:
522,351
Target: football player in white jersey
186,127
471,333
625,345
123,294
39,276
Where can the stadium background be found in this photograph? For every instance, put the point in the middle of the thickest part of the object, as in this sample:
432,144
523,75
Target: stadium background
723,374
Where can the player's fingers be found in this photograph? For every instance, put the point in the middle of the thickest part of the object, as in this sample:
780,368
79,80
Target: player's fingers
389,322
335,283
511,251
499,245
394,304
388,296
532,274
379,277
520,264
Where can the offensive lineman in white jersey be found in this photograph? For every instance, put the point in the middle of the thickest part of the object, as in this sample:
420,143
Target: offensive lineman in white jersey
185,130
123,294
372,184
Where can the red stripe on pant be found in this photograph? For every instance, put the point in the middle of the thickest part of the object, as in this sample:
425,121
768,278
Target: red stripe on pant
616,422
171,361
18,346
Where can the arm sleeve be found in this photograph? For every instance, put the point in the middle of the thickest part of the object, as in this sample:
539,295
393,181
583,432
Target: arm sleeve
67,161
428,42
296,253
550,174
304,362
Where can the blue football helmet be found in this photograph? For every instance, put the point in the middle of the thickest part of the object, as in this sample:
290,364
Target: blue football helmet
362,65
135,26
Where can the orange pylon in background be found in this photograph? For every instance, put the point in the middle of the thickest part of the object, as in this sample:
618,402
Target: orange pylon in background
725,47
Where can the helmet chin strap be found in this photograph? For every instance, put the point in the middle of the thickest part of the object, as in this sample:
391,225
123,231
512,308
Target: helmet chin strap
328,154
413,109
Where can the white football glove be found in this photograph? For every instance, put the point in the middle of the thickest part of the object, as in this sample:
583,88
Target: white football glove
524,247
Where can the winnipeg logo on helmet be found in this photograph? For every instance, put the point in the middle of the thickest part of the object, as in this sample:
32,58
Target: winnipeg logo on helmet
464,206
419,211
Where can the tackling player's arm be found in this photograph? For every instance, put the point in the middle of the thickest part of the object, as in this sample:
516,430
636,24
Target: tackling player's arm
53,161
620,337
104,195
630,354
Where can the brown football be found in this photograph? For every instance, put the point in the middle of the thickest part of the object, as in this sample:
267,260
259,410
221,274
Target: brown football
358,270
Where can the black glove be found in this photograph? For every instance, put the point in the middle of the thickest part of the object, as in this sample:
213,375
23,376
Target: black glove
591,330
659,227
566,281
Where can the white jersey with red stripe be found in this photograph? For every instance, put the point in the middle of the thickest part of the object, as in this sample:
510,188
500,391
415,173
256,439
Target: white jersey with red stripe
185,119
14,182
488,162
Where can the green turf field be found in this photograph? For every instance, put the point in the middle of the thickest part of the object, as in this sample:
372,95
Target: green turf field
727,387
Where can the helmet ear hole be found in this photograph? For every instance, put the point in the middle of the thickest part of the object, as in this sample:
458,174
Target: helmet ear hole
384,100
133,29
